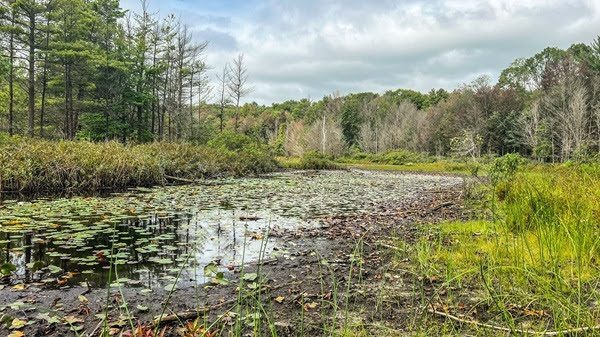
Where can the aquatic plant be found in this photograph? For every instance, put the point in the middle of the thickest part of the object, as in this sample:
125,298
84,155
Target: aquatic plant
31,165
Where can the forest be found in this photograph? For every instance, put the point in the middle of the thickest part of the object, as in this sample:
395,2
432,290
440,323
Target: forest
90,70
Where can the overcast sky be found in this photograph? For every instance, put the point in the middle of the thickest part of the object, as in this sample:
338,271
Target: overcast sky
302,48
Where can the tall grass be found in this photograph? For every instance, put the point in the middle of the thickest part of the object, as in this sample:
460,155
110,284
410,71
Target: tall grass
28,165
535,262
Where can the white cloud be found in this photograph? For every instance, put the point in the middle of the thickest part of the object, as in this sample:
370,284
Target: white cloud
299,48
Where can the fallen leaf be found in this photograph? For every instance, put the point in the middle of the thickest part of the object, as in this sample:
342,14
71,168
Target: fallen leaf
311,305
250,277
73,320
19,286
279,299
17,324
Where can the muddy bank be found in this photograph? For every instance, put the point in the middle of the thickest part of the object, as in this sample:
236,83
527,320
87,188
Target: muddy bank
297,287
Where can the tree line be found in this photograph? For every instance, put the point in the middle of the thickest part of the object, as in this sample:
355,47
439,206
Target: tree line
89,69
546,107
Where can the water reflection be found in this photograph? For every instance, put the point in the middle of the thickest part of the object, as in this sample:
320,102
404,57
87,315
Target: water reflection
152,233
147,251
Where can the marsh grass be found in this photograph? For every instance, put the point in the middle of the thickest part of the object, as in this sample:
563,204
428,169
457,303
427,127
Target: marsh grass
531,265
36,165
313,160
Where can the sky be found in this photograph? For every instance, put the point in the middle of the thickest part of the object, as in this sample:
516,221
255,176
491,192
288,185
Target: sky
310,48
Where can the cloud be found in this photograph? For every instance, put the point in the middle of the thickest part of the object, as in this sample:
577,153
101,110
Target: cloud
296,49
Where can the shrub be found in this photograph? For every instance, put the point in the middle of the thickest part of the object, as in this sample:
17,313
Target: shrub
316,160
232,141
504,168
402,157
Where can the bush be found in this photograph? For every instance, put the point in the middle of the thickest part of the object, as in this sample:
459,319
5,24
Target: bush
402,157
232,141
505,167
316,160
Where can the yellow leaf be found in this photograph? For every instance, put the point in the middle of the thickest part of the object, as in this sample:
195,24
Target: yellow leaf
310,305
16,334
19,286
279,299
17,324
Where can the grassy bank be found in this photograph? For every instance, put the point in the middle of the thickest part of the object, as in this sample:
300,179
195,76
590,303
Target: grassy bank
29,165
309,161
531,264
400,160
436,167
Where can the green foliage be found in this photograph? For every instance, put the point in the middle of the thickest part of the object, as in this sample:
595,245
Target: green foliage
540,253
526,74
4,67
7,269
231,141
400,157
504,168
350,119
315,160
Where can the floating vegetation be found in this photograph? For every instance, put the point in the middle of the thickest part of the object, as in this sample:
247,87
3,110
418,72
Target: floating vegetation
153,232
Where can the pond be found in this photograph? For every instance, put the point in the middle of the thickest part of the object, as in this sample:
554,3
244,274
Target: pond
154,234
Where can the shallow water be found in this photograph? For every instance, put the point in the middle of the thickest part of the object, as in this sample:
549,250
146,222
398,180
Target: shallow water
155,233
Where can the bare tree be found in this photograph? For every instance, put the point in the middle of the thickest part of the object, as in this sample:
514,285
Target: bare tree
334,104
468,144
531,124
566,106
399,128
293,143
370,130
199,82
224,99
578,116
197,79
237,77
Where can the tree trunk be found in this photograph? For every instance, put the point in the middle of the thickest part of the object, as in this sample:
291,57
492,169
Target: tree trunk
155,108
31,73
192,104
11,79
165,99
221,116
69,104
44,79
67,113
323,135
237,111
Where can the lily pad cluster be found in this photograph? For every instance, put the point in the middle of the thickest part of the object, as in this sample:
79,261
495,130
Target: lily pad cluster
151,234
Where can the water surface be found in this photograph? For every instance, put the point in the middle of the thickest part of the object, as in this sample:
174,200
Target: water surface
152,234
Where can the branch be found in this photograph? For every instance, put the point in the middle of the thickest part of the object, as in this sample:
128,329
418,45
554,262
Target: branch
517,331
